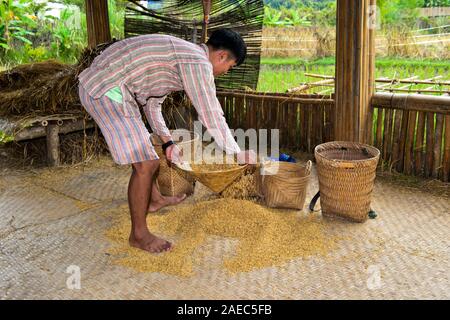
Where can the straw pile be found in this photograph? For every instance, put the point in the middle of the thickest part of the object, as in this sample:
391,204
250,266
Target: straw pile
266,237
48,87
39,88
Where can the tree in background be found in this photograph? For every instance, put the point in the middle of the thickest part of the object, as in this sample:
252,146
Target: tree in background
399,13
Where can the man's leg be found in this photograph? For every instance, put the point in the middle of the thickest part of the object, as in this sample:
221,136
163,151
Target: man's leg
139,195
159,201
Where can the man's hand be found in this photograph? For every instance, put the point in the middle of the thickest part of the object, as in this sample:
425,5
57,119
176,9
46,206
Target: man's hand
174,154
247,156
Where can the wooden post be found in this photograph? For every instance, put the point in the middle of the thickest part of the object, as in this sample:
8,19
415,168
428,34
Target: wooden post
97,22
53,145
206,12
354,70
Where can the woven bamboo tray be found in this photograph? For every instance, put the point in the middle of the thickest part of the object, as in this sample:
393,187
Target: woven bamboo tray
346,172
216,180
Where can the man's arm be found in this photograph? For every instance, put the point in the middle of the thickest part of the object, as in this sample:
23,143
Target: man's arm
198,83
155,118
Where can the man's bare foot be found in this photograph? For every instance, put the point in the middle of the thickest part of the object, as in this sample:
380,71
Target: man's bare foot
150,243
164,201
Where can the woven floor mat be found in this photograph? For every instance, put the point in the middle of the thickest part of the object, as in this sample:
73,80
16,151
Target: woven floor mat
401,254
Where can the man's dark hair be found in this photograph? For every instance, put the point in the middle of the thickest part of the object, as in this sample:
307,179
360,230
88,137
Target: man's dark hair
229,40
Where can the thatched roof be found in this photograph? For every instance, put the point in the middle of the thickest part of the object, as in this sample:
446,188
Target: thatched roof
184,19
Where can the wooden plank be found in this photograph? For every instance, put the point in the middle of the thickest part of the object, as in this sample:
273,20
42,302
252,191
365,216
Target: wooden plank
320,124
309,131
418,150
395,137
251,112
446,160
284,124
315,122
244,113
301,132
430,144
409,143
327,124
387,135
379,132
437,166
291,124
402,141
275,118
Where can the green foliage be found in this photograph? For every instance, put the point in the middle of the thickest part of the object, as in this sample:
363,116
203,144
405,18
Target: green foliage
295,4
399,12
280,74
285,17
28,34
436,3
5,138
15,23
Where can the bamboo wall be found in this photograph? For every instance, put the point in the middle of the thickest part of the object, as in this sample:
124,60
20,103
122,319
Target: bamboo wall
304,121
411,131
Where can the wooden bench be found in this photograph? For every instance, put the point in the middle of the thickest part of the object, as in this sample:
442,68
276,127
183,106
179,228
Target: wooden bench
50,127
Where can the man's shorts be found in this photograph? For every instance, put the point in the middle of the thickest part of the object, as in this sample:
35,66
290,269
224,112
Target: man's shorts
127,137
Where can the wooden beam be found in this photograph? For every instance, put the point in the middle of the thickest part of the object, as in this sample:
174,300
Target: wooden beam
414,102
39,132
354,70
97,22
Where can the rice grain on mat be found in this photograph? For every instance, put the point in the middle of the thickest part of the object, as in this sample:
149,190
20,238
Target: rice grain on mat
266,237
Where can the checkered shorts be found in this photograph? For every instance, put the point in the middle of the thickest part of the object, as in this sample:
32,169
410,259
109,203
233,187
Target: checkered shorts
127,137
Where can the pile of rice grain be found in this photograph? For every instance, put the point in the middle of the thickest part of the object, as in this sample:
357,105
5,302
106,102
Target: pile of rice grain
243,188
267,237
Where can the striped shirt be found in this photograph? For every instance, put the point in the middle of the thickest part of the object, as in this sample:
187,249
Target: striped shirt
147,68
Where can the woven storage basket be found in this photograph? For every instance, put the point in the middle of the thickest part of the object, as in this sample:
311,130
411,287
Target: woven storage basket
170,181
346,172
283,184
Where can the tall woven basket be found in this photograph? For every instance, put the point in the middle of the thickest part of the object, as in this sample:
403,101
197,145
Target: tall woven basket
169,180
346,172
283,184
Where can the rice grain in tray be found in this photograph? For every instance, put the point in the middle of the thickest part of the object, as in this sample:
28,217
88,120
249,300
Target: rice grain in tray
266,237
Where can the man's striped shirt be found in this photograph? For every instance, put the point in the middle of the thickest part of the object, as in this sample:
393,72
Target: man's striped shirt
147,68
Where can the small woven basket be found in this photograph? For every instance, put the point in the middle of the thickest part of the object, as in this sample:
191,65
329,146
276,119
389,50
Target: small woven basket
170,181
346,172
283,184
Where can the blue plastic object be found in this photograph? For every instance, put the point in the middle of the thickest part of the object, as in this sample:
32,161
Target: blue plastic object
284,157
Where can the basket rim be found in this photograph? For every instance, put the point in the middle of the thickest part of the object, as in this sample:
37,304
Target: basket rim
195,137
238,167
371,157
